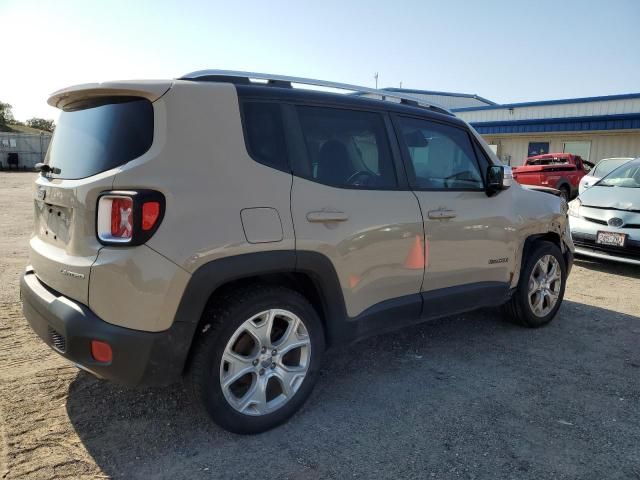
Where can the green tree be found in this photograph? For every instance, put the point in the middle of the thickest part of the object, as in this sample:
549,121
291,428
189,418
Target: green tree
41,124
6,114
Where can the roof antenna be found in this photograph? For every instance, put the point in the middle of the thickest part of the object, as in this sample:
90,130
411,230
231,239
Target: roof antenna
400,83
376,77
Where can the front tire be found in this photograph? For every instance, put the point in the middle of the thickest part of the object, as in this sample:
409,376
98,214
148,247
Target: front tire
257,359
541,287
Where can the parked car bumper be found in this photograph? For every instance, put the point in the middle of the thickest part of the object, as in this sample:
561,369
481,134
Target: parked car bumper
68,327
584,234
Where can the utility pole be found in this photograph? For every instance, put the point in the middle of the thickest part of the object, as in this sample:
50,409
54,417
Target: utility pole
376,77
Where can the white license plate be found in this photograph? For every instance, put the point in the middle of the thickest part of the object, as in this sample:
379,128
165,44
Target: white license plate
611,238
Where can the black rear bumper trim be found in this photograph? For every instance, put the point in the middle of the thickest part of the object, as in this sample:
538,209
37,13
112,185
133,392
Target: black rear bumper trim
149,358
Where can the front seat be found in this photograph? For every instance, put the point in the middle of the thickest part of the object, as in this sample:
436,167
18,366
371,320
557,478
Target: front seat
333,163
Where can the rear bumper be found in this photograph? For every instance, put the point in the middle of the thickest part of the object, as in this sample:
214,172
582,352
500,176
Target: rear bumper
150,358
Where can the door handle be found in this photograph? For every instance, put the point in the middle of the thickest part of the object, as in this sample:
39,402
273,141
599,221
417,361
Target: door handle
322,216
441,213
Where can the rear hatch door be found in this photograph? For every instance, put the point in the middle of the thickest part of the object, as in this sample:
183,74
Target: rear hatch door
100,128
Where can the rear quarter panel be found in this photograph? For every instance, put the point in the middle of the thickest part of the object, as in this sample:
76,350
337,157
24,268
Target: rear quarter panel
207,176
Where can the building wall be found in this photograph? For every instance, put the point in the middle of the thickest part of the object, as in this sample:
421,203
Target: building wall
553,110
31,148
603,144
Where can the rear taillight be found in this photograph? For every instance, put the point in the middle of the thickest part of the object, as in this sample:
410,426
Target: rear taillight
128,217
150,214
121,217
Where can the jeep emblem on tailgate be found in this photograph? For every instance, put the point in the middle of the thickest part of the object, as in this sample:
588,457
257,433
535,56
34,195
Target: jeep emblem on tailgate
69,273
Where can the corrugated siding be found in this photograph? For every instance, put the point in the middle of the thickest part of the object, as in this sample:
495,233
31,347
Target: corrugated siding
626,121
609,107
30,148
602,146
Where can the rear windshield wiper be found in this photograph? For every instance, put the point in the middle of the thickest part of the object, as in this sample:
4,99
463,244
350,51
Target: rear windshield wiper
45,168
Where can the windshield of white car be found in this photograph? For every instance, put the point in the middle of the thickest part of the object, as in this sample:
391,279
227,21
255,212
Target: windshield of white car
627,176
605,167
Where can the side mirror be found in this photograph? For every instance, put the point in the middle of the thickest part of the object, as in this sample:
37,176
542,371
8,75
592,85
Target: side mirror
499,177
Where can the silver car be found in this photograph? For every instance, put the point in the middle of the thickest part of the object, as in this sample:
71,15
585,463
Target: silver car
605,219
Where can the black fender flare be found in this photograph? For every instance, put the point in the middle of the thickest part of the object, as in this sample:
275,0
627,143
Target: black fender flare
214,274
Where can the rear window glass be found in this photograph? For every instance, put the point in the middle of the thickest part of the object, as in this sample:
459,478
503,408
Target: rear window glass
548,161
99,134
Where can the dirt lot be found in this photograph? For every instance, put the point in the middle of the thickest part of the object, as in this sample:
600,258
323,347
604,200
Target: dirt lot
465,397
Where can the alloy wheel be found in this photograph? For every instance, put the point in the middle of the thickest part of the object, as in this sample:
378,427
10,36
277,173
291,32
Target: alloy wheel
265,362
545,282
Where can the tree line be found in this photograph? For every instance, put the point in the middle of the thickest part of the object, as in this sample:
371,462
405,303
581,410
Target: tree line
6,119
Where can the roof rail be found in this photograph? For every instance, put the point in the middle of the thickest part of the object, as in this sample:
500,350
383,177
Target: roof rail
234,76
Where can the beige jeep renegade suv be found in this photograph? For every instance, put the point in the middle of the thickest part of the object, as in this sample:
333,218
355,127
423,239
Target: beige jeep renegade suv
229,231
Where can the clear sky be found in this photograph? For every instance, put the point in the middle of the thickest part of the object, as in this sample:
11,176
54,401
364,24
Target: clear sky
507,51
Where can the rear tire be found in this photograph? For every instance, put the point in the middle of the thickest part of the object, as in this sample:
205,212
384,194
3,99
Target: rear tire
565,193
237,373
541,287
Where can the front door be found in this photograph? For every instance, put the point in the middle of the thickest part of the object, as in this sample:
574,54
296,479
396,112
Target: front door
469,236
346,204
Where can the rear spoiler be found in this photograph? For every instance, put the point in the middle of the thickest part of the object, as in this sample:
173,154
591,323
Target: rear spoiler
152,90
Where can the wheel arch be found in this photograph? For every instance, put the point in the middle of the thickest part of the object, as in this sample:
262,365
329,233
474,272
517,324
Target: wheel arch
309,273
529,242
565,183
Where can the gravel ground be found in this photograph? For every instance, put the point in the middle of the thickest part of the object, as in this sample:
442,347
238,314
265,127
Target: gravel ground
465,397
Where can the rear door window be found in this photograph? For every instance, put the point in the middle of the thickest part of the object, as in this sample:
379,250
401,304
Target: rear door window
346,148
98,134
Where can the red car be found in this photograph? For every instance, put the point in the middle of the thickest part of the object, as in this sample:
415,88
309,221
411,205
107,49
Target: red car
561,171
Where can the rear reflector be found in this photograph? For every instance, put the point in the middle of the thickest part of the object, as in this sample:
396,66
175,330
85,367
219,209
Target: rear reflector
101,351
150,214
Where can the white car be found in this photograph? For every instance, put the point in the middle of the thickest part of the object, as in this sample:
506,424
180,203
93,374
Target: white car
601,170
605,220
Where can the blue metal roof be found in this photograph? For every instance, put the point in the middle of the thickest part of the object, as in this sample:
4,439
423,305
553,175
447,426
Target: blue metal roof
564,124
626,96
444,94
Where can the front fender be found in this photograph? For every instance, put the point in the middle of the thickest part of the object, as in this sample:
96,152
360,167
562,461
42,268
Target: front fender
541,216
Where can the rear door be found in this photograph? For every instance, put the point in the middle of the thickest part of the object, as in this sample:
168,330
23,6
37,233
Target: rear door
93,137
349,203
469,236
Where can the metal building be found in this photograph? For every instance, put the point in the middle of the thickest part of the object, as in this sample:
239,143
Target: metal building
30,149
593,127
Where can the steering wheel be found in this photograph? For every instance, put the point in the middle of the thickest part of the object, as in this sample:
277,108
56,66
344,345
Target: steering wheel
359,173
459,175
